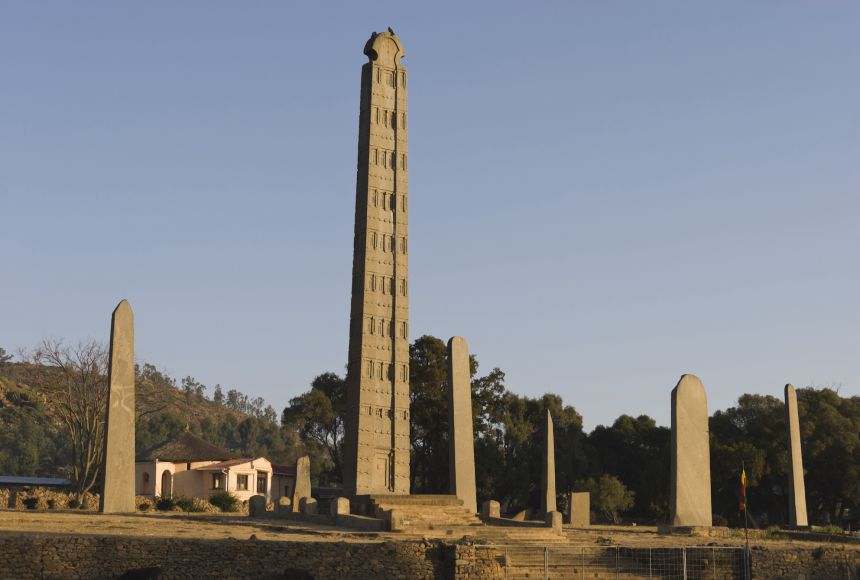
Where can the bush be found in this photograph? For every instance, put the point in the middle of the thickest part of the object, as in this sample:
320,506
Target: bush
719,520
165,504
225,501
774,533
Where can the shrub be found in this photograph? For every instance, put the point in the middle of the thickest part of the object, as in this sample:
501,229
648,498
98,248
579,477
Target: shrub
774,533
721,521
165,504
225,501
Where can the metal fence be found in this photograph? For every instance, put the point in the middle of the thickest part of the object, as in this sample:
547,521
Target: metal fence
616,562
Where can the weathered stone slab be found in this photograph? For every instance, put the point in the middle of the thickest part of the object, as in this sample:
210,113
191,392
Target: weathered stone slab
491,509
308,505
339,506
461,438
553,520
547,496
284,505
302,488
691,461
395,521
579,510
118,494
796,484
257,505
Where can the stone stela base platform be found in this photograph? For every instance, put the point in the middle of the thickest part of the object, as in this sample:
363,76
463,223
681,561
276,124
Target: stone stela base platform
416,512
697,531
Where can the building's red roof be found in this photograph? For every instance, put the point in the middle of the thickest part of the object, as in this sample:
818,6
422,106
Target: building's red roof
226,464
288,470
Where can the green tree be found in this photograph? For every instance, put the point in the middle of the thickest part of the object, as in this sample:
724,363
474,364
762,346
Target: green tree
4,358
636,451
609,497
318,417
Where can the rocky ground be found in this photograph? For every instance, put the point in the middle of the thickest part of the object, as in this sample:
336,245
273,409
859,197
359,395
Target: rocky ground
223,526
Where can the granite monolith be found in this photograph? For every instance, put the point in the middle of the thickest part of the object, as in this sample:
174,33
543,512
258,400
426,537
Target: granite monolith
579,509
691,462
118,491
302,488
461,440
376,422
796,485
547,496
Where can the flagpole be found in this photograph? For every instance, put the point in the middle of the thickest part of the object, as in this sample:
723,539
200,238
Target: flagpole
746,524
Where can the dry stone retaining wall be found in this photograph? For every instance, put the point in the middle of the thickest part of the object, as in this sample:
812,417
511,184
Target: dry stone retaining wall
31,556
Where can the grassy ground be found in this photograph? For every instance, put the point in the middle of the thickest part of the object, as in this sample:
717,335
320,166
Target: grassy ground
223,526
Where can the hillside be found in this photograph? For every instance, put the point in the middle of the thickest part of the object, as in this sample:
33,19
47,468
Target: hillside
34,440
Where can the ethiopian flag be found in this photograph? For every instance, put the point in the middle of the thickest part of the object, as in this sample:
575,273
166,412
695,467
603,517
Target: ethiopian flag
743,503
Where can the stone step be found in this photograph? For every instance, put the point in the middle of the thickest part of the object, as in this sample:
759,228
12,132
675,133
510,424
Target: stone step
424,499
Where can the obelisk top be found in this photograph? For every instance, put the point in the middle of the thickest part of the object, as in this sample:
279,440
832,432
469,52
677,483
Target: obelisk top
385,46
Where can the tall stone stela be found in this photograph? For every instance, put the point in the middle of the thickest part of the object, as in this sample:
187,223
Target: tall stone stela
461,437
377,422
691,459
118,493
547,496
796,485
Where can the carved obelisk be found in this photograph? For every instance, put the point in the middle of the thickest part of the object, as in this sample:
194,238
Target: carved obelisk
376,452
691,457
118,493
796,485
461,438
547,496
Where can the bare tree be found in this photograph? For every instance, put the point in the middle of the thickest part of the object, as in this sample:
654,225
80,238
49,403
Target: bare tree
80,390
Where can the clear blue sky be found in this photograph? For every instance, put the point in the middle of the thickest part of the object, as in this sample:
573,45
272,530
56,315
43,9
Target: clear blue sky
604,195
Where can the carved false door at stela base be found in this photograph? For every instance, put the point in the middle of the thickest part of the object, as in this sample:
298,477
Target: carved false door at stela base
382,471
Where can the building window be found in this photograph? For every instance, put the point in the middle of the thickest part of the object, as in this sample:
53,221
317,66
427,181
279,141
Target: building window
380,371
262,480
145,477
217,481
242,482
376,156
375,198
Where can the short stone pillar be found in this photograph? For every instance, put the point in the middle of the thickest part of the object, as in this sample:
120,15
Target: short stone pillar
284,505
579,509
691,458
308,505
491,509
257,506
547,496
796,486
553,520
302,488
339,507
395,521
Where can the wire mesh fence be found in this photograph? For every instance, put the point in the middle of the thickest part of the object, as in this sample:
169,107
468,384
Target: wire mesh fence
682,563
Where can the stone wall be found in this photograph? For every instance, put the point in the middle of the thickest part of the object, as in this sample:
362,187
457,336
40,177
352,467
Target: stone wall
31,556
43,498
817,563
